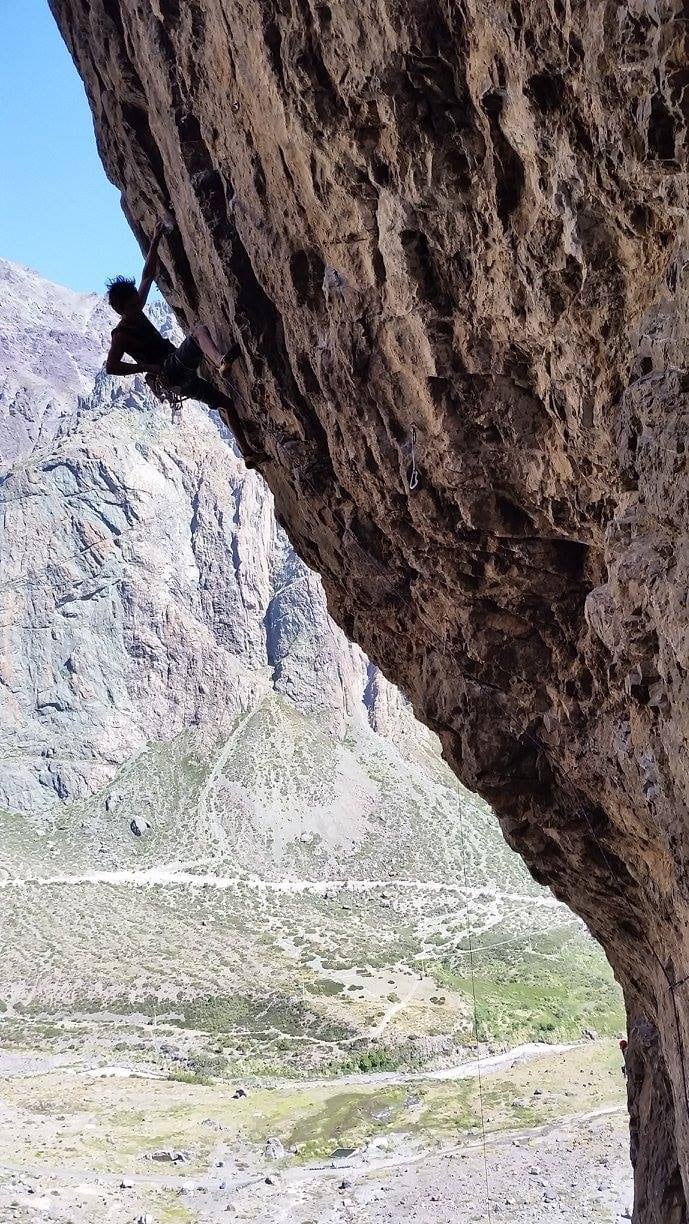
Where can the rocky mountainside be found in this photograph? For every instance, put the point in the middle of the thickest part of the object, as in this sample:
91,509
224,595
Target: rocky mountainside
145,586
190,747
43,369
468,220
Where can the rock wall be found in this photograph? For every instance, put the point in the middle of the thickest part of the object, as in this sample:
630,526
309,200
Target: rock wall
465,221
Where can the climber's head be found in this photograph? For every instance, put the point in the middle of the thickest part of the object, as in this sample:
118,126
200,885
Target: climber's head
123,295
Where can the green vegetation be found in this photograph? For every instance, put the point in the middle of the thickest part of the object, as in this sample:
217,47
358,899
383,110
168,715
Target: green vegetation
128,1119
189,1077
201,1069
326,987
369,1061
261,1015
294,978
344,1120
555,994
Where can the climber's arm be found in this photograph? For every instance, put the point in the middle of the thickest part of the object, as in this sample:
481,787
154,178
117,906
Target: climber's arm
151,266
115,365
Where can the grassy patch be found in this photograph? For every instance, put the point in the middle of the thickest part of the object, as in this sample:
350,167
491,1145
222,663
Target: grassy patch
178,1076
345,1120
112,1124
326,987
552,995
260,1015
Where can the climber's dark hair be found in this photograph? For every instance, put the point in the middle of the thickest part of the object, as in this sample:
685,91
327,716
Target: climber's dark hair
120,290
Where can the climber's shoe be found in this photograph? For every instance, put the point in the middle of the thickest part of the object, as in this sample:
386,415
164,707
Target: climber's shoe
232,354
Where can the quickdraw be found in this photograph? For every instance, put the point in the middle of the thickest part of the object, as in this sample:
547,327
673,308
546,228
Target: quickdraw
414,471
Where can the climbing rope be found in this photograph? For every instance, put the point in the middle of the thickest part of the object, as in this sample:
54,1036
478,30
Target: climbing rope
477,1035
413,482
496,694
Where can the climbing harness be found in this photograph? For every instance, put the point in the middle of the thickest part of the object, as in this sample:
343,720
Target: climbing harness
168,394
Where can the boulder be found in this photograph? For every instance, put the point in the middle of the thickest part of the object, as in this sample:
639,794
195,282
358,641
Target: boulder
274,1150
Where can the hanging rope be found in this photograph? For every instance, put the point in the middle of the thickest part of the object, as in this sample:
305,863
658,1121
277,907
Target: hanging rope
413,483
477,1035
494,692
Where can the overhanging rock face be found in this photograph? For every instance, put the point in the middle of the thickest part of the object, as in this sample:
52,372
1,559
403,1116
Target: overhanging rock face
464,221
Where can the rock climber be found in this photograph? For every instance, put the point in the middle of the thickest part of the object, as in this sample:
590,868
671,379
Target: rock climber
623,1050
168,369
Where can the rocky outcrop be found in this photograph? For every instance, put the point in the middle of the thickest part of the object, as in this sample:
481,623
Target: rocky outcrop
145,587
466,221
50,348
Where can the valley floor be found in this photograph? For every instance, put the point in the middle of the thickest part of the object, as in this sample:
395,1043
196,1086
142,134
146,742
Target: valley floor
574,1172
99,1145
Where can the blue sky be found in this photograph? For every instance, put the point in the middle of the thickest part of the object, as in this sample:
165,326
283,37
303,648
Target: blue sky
58,212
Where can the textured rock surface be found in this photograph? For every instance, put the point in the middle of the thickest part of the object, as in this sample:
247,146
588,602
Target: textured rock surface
144,584
468,217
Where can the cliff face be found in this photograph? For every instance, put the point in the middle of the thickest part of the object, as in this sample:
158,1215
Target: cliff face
145,587
464,220
50,348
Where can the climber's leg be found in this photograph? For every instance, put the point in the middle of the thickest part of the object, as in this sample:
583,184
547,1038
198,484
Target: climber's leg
199,389
207,345
210,350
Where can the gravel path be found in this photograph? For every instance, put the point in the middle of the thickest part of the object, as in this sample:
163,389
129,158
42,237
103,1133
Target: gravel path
179,876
